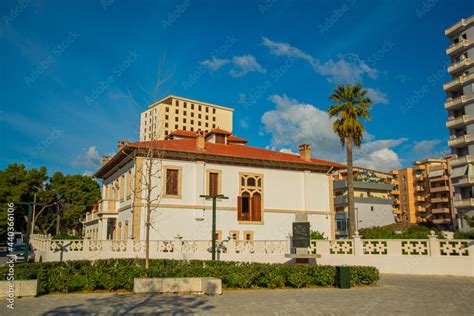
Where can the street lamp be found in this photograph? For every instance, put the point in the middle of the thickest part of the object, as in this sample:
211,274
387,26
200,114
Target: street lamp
214,197
28,227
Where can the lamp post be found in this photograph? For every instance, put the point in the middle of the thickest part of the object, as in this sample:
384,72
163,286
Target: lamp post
28,227
214,197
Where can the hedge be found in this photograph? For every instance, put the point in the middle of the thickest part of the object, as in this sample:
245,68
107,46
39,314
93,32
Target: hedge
118,274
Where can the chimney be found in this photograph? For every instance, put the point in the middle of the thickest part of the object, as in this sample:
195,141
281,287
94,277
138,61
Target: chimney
120,144
305,152
200,141
105,159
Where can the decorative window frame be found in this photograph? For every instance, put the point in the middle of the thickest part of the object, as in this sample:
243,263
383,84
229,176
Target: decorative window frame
180,181
248,232
251,191
237,232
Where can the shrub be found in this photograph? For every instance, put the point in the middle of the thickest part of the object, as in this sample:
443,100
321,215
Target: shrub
464,235
316,235
118,274
421,231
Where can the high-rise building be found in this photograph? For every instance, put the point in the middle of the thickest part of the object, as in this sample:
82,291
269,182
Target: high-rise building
176,113
460,106
395,195
426,193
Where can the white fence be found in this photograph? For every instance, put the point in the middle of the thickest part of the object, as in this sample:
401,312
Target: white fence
425,256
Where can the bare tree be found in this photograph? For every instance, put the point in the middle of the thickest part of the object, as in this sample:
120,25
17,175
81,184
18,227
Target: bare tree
150,174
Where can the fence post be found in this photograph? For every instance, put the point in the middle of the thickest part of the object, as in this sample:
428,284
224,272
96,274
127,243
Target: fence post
358,245
434,244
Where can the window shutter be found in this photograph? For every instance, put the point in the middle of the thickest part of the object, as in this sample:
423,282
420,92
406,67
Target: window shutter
256,208
172,182
239,208
213,181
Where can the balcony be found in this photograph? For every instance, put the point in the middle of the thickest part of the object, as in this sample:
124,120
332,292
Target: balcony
458,47
396,211
442,210
396,182
420,199
395,192
464,203
459,141
420,188
456,83
439,221
465,180
444,188
437,179
456,103
440,200
459,26
461,65
461,160
454,122
108,206
420,177
421,209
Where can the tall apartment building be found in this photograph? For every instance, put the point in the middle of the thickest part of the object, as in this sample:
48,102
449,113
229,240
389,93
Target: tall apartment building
407,195
395,195
460,106
426,193
176,113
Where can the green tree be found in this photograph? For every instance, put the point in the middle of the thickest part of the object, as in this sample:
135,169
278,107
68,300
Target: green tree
351,104
76,195
17,184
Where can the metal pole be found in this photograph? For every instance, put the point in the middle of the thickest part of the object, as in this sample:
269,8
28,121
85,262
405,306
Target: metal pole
33,218
28,232
213,228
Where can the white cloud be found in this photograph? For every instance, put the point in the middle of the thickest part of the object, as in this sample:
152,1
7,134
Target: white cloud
348,68
287,151
89,159
377,96
425,146
245,64
292,123
214,64
383,159
241,65
244,123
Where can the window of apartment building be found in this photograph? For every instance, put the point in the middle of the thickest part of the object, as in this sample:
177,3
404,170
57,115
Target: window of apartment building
207,117
207,109
172,185
176,126
192,122
146,114
185,105
213,118
176,102
166,125
192,114
199,123
167,109
176,119
184,113
166,117
177,111
213,111
199,115
192,106
249,203
207,124
184,120
199,108
184,128
192,129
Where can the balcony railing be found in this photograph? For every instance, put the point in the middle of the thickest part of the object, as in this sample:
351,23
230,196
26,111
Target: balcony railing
420,177
458,26
437,179
460,65
108,206
454,48
441,210
459,141
463,180
458,81
420,209
420,199
439,221
457,121
440,200
461,160
439,189
454,103
463,203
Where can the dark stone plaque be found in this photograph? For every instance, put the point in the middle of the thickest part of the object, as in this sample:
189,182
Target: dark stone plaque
301,234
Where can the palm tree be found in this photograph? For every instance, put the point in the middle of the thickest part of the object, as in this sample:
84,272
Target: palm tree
350,105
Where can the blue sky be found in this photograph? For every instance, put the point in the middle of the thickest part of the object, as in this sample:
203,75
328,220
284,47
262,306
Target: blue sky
69,68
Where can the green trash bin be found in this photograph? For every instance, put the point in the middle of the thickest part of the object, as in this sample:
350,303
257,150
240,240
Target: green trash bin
343,277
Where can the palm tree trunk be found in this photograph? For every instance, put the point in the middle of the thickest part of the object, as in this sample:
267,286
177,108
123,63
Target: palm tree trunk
350,190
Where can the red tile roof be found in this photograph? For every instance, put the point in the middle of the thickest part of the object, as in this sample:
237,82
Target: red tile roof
236,139
182,133
230,150
218,131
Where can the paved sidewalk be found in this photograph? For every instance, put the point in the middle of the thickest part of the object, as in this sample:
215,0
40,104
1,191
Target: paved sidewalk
395,295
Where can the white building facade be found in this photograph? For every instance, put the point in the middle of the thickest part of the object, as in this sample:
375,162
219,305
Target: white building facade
267,191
